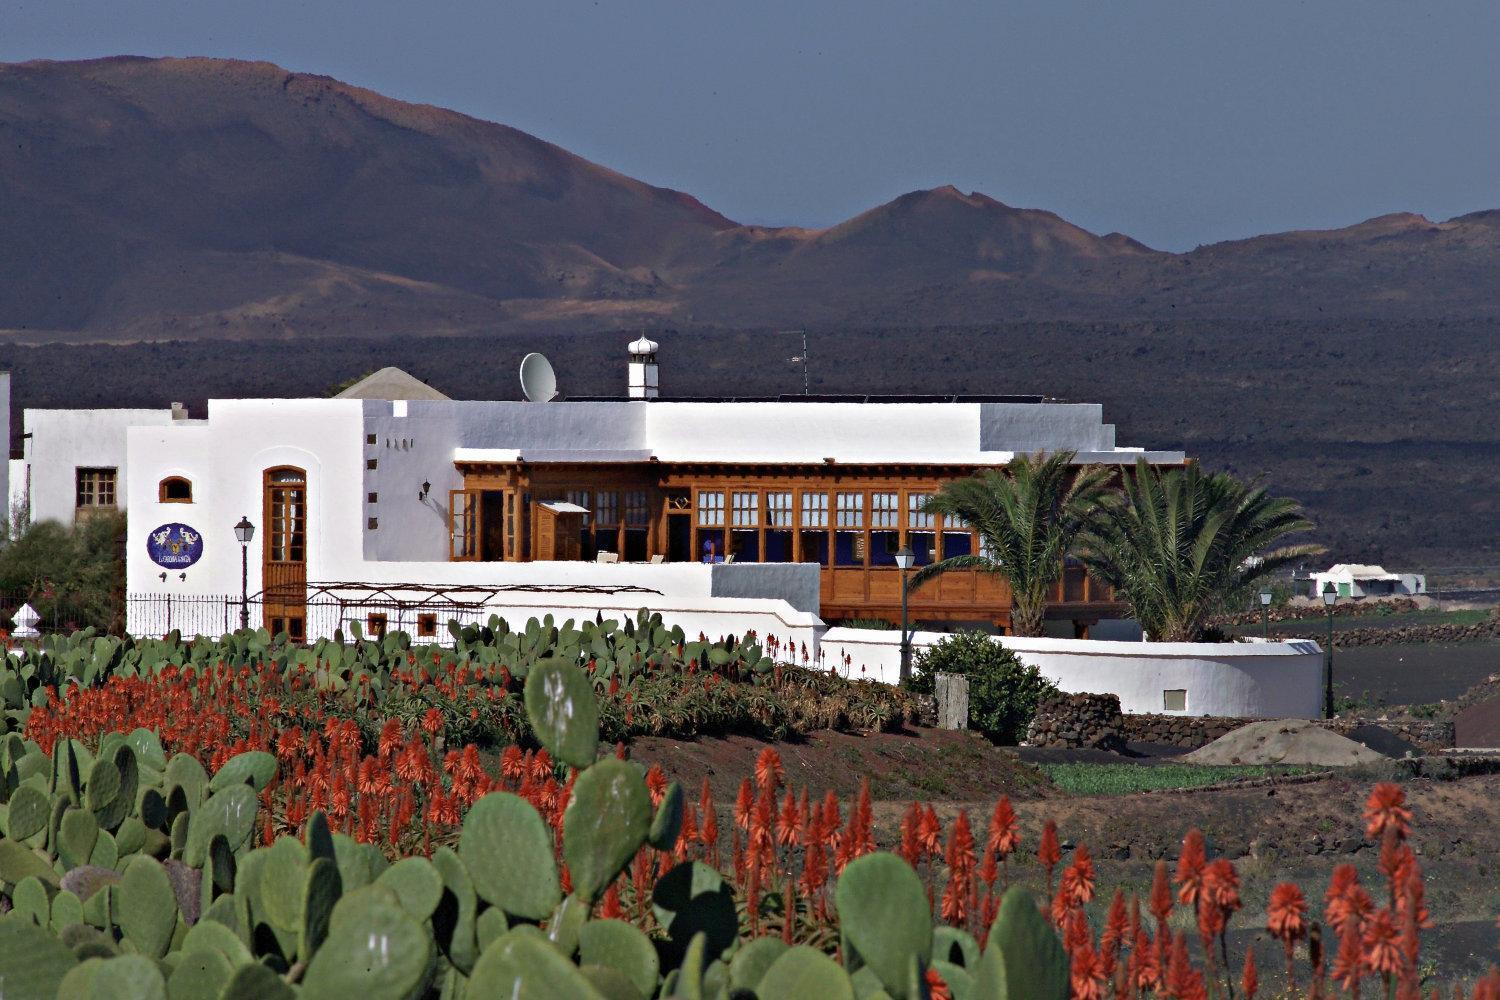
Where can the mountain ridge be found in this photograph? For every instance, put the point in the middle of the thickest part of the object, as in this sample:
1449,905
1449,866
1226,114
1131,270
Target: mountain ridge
198,197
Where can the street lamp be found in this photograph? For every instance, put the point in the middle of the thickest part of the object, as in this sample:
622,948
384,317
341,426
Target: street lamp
1265,612
904,560
1329,596
244,531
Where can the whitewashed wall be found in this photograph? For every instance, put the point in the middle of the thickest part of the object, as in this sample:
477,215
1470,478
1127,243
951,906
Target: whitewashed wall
1241,679
62,441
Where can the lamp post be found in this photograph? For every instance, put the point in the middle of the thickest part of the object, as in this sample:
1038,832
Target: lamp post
1265,613
244,531
904,559
1329,596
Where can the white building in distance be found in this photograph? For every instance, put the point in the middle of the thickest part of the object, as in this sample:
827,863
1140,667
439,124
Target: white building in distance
1354,580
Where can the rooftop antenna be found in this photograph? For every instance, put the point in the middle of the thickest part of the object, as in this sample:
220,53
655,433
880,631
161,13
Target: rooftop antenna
802,358
538,380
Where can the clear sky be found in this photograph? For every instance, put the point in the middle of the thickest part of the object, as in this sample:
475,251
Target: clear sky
1179,122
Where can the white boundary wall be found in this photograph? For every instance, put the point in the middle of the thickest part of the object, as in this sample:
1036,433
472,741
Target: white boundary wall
1237,679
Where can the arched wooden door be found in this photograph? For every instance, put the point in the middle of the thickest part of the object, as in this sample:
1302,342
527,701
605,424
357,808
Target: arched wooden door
284,555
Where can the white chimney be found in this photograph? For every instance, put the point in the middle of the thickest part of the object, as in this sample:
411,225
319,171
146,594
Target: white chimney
643,380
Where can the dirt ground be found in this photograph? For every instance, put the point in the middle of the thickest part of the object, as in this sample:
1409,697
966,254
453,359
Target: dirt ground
1273,829
916,763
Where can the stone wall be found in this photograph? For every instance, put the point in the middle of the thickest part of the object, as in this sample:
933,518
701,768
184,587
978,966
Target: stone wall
1373,635
1187,731
1077,720
1295,611
1094,720
1429,734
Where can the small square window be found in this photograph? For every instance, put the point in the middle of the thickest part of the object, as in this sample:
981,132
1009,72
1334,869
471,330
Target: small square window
375,625
373,498
369,439
373,523
95,487
426,625
1174,700
371,463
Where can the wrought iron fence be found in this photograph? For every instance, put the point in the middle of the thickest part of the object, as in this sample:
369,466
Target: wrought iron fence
216,614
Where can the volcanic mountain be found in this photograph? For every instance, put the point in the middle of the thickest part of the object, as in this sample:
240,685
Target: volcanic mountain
170,198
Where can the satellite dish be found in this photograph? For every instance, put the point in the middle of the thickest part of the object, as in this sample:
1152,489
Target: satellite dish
538,381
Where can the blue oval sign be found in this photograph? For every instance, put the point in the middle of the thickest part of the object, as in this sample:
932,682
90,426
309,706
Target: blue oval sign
175,546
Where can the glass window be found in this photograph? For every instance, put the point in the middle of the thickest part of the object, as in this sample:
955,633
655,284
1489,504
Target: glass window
883,547
711,545
745,545
957,543
637,509
778,546
745,509
851,510
815,510
607,508
96,487
849,548
922,543
583,499
175,489
885,510
779,510
916,517
815,547
711,509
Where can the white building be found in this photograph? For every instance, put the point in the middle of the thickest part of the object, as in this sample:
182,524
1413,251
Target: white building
396,507
1354,580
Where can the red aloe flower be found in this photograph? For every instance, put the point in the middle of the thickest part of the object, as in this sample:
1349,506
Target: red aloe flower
1381,945
1144,969
911,845
1161,895
743,803
1078,879
1221,886
1115,932
1286,919
1087,974
656,784
1250,978
1347,963
768,771
1048,852
936,988
1190,865
791,820
930,833
1386,809
512,763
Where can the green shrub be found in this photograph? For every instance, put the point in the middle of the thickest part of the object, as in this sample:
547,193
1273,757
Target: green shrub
1003,691
73,575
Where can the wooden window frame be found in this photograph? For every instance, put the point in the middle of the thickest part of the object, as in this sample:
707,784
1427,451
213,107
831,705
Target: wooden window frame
166,484
376,623
463,546
427,625
89,482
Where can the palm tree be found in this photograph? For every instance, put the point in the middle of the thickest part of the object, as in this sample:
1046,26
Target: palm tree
1182,545
1028,516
